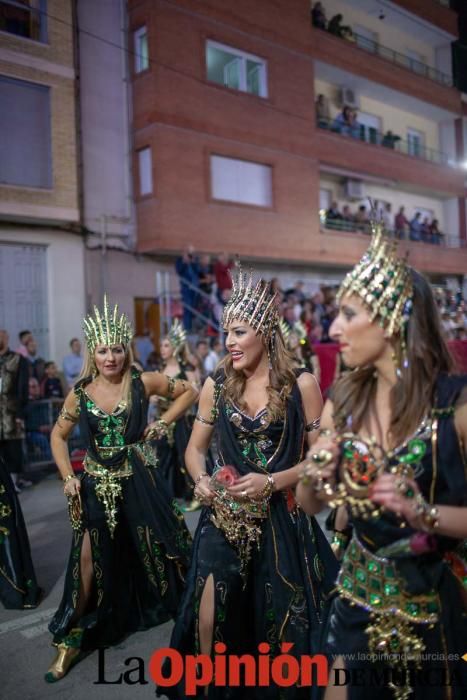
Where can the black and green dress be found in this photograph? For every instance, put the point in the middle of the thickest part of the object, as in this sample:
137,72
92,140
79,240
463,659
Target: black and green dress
397,602
139,541
18,585
279,592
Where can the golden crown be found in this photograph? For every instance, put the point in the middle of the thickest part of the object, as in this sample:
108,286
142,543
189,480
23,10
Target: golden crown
252,303
383,281
177,336
106,328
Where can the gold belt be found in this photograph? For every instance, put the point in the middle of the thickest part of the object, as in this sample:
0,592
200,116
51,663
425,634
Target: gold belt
240,521
373,583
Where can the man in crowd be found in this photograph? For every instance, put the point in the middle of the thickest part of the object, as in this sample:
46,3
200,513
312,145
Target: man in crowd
222,269
24,337
73,363
38,425
36,364
416,228
214,356
401,223
187,267
14,378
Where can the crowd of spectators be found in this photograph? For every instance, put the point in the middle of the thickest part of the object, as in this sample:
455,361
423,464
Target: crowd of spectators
453,310
205,286
418,228
333,26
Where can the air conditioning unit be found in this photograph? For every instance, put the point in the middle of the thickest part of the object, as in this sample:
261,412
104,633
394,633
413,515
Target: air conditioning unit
348,97
354,189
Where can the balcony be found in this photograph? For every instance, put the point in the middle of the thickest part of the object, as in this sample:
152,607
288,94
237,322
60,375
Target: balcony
414,148
344,247
386,67
362,150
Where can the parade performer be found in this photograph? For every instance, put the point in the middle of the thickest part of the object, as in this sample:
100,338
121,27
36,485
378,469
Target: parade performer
261,568
171,447
392,455
130,545
18,585
301,348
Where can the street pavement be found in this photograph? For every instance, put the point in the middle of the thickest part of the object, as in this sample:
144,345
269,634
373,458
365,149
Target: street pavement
25,650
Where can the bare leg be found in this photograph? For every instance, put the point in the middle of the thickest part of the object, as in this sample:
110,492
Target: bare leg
206,616
87,574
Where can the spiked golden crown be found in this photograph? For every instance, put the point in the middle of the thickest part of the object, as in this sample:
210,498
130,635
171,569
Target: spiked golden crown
177,336
106,327
383,281
253,303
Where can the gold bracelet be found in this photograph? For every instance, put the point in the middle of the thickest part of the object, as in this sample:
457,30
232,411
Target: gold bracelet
199,477
428,514
68,477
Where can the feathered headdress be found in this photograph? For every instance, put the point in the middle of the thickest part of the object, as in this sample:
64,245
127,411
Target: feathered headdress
177,336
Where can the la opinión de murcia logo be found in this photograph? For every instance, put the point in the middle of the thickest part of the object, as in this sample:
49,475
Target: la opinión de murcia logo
223,670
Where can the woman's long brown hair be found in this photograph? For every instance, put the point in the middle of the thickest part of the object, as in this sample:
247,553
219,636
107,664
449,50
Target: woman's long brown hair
413,394
282,379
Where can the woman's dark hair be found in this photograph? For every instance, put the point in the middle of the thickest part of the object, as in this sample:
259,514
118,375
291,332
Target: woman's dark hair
413,395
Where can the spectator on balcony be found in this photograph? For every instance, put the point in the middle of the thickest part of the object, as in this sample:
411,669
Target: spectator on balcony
361,219
187,267
336,28
73,363
425,230
333,214
355,126
222,269
323,116
343,122
348,217
436,235
389,139
318,16
386,216
415,232
401,224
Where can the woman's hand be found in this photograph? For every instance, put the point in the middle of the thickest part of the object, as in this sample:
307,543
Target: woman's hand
202,492
72,487
320,469
248,486
397,494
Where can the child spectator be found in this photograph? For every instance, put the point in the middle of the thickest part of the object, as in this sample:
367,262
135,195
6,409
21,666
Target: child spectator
51,387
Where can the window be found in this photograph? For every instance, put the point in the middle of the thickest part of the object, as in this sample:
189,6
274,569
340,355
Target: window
25,146
141,50
145,171
325,198
241,181
370,127
415,143
236,69
26,18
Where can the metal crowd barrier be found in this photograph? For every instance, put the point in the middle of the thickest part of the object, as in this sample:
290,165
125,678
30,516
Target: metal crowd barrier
41,415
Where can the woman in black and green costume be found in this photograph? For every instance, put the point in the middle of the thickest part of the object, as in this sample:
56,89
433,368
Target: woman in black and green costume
130,545
18,585
261,568
393,459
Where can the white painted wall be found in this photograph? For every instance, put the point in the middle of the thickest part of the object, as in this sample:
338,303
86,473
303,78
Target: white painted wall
105,118
65,282
451,219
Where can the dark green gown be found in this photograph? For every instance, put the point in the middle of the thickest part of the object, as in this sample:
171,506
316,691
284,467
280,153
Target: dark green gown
140,544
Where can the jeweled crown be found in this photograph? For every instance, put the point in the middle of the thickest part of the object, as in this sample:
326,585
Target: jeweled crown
106,327
383,281
252,303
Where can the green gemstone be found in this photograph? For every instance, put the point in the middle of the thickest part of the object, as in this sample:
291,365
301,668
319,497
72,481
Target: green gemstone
418,447
389,572
221,616
375,599
350,567
353,550
374,567
432,607
360,575
375,584
412,609
361,592
391,588
347,583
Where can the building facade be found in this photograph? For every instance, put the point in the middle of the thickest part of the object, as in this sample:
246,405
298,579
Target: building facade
228,152
41,247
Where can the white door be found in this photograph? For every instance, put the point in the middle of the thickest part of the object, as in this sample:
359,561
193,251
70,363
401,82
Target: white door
415,143
371,126
23,293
